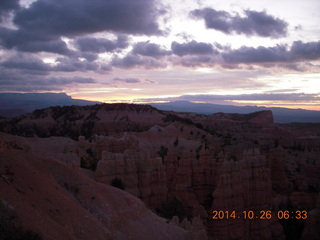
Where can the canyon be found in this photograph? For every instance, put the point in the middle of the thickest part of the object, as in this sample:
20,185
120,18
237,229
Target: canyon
125,171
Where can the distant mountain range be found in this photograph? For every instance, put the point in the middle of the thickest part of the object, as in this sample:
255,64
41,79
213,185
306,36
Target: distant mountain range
281,115
15,104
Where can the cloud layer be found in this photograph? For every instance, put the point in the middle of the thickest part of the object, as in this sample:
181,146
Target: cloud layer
192,48
101,45
41,26
57,45
242,97
253,23
299,51
149,49
6,6
52,18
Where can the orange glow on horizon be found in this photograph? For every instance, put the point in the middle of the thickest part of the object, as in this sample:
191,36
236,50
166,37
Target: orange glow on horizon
140,100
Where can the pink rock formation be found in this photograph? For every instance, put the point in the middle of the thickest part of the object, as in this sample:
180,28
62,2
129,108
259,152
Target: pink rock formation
244,185
59,202
142,175
264,117
223,162
280,183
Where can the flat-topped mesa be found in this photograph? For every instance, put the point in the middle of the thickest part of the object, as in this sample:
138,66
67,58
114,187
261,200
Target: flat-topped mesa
73,121
127,107
123,107
262,117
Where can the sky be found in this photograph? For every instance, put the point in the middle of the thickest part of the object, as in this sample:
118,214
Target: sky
264,53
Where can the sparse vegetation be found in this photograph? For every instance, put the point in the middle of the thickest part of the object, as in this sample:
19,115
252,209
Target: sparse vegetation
90,162
176,142
198,152
117,182
234,157
87,129
163,152
10,227
208,202
173,208
175,118
72,189
292,227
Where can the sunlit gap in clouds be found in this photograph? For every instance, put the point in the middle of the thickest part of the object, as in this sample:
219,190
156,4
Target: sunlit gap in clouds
306,83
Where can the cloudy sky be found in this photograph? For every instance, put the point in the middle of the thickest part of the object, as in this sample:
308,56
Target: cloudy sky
247,52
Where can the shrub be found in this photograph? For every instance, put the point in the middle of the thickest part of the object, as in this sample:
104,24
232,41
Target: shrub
176,142
10,228
173,208
117,182
163,152
208,201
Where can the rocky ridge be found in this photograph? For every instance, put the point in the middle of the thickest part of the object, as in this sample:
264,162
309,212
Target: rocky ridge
59,200
195,163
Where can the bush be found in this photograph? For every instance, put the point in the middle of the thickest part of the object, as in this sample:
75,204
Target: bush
117,182
176,142
10,228
173,208
163,152
208,201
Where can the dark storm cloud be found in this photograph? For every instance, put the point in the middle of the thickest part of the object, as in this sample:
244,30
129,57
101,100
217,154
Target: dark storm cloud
299,51
253,23
132,61
54,46
305,51
6,6
128,80
41,25
192,48
13,77
89,56
25,62
64,81
196,61
198,54
74,64
76,17
12,80
149,49
100,45
256,55
25,41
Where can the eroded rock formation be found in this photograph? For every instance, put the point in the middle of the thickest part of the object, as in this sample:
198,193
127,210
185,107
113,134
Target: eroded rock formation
181,164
